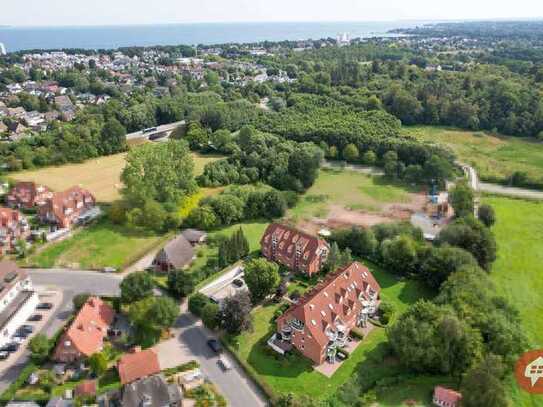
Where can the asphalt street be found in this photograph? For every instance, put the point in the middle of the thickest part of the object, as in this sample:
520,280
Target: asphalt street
165,127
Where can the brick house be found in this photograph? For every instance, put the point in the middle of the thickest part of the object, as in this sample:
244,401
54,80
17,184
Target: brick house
321,320
63,209
137,364
86,334
297,250
13,226
27,195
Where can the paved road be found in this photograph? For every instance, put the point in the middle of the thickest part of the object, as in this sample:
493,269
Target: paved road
162,128
498,189
190,340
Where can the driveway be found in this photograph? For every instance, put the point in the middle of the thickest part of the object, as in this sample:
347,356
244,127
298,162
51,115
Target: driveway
189,342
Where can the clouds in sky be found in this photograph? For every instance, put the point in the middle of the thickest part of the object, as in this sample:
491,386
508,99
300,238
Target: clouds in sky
108,12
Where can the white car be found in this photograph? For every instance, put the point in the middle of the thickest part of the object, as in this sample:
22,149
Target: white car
224,363
17,339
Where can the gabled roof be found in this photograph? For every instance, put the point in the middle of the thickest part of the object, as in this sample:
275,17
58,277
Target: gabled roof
87,331
336,299
152,390
194,235
138,364
86,388
179,252
446,395
289,240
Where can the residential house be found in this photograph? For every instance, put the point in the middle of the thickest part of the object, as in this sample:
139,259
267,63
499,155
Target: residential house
63,209
137,364
35,120
297,250
65,107
18,300
87,388
16,112
152,391
27,195
320,322
176,255
13,226
16,131
444,397
86,334
194,236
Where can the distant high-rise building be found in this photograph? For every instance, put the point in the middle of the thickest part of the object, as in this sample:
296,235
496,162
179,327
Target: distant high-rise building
2,49
343,39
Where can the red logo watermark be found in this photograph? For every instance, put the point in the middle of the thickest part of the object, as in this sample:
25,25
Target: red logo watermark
529,371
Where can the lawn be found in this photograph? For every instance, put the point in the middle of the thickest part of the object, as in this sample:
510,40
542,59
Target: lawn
518,269
295,374
349,189
101,176
102,244
495,158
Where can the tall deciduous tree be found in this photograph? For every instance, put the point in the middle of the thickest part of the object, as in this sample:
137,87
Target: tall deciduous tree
262,278
162,172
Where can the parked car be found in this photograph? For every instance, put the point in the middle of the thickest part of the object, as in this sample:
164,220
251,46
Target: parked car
4,355
214,345
224,363
109,270
44,305
238,283
35,318
26,328
10,347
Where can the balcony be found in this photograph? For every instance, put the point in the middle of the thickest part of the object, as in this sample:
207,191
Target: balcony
297,324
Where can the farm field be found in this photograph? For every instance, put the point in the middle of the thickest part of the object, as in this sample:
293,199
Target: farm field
347,197
295,374
100,245
517,270
495,158
101,176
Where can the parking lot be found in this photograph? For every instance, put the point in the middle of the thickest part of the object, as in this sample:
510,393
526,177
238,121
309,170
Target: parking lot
52,297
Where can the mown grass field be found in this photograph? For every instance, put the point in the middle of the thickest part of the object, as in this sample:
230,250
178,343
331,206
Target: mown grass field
101,176
495,158
349,189
295,374
518,270
102,244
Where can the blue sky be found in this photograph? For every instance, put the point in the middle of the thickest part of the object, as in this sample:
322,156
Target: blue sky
107,12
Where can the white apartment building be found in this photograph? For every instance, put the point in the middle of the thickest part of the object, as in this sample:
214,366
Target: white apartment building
18,300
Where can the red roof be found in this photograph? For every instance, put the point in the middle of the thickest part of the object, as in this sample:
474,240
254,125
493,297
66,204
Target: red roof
90,326
335,300
447,396
86,388
138,364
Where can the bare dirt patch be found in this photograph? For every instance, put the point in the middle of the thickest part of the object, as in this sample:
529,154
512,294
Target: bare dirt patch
338,216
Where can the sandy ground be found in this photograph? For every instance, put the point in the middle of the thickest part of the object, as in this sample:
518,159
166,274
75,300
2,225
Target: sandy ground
340,217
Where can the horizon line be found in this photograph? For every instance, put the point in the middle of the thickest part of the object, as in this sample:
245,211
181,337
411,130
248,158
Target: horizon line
401,20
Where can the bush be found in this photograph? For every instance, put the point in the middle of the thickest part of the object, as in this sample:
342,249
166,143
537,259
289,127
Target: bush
386,312
79,300
197,302
210,314
357,333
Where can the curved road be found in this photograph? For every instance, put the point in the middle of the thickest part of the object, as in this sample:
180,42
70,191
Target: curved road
497,189
235,385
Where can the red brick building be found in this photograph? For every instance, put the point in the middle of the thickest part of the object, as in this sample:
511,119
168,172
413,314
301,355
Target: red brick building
13,226
297,250
86,334
64,208
27,195
321,320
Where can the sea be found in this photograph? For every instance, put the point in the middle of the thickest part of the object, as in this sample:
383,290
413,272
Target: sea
110,37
